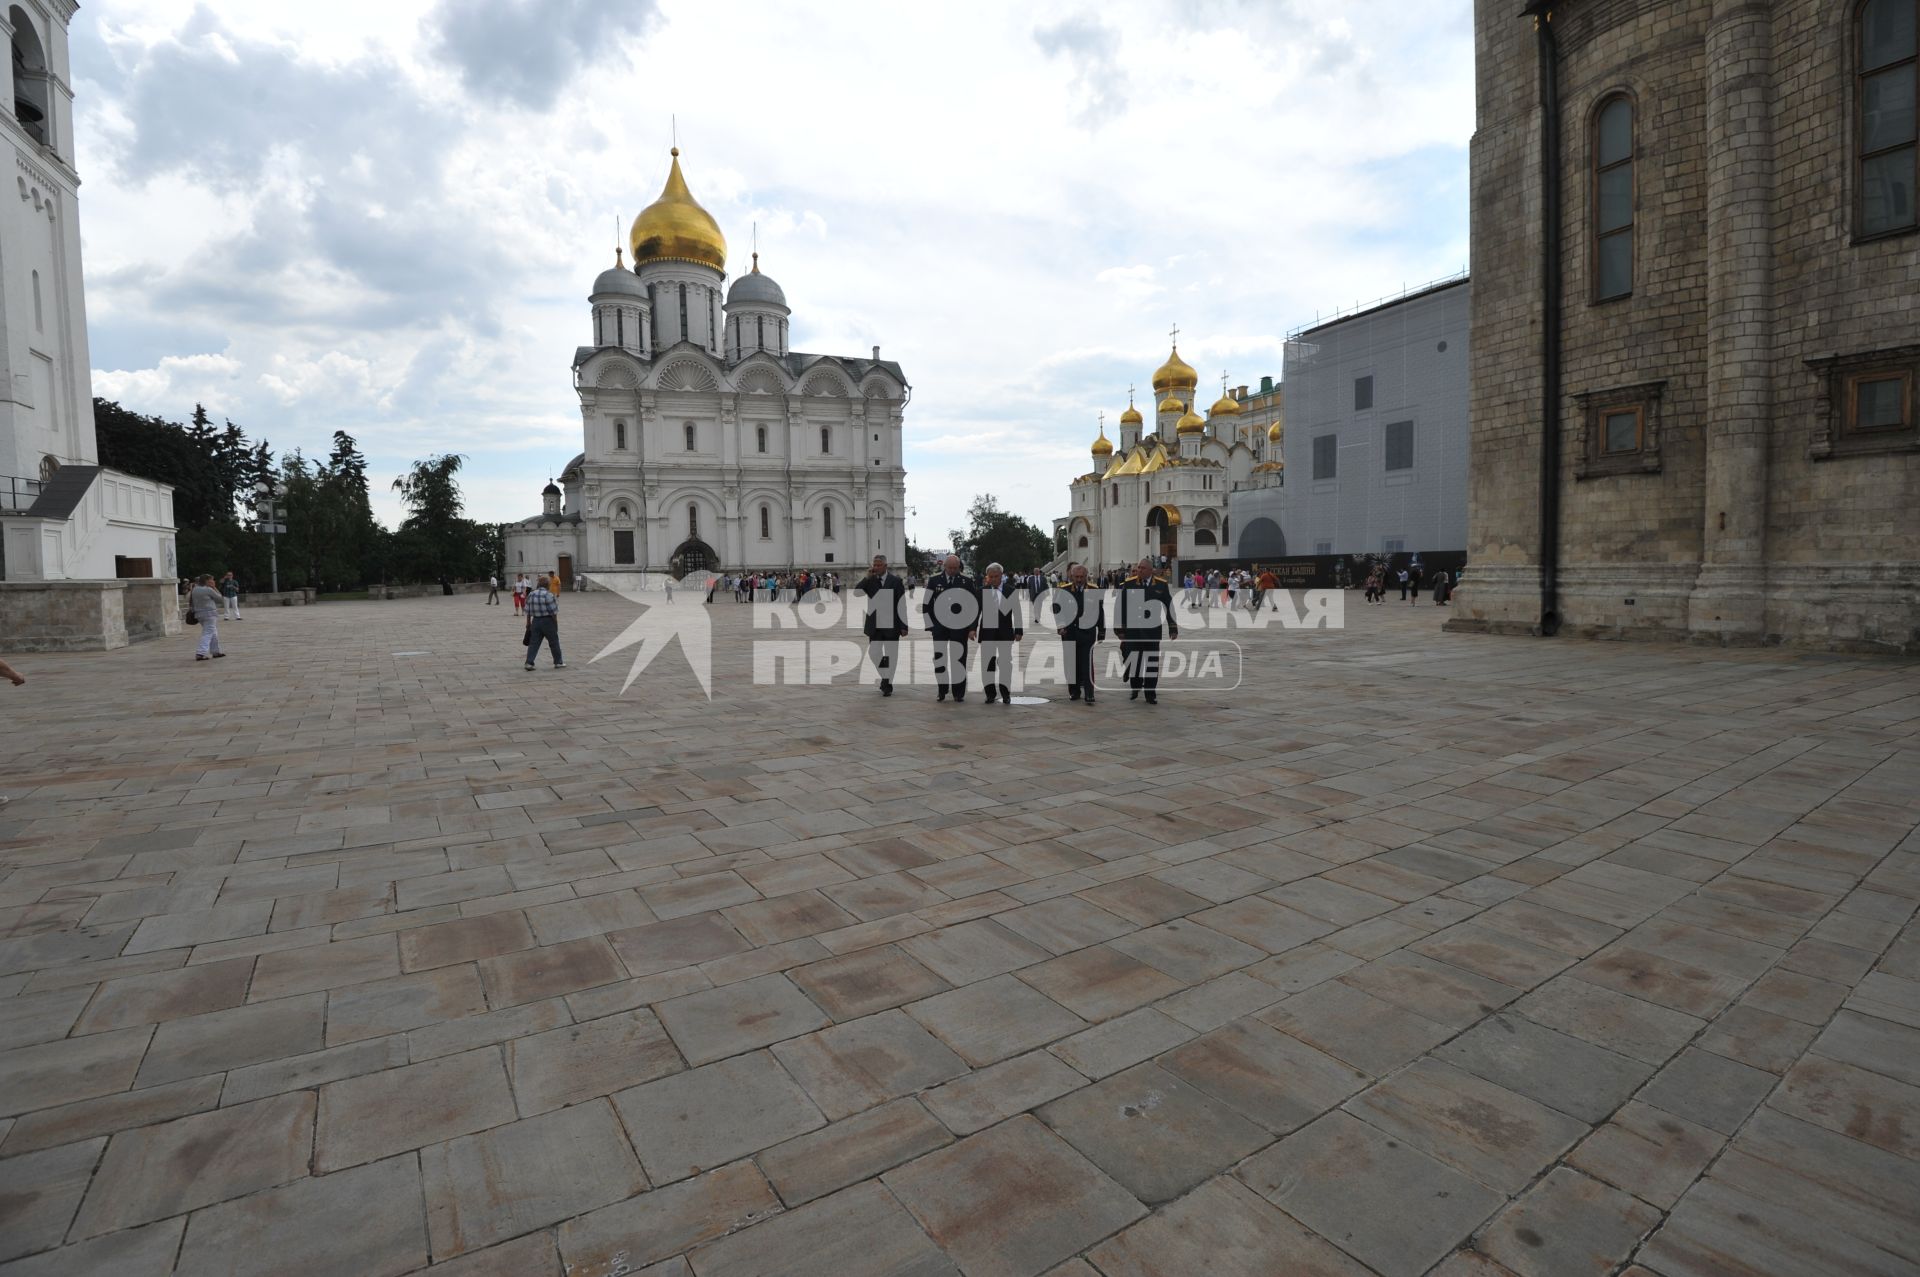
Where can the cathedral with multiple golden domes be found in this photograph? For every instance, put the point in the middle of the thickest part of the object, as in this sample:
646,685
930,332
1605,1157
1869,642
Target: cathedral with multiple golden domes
1164,493
707,442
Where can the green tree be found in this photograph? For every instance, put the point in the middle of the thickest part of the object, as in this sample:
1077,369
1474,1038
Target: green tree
998,536
434,541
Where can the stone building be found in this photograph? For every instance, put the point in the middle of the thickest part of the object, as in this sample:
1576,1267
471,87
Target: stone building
1163,492
86,553
1696,321
707,442
1376,439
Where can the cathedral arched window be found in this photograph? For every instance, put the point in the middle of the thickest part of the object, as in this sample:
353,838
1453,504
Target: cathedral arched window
620,327
39,320
599,327
760,434
826,522
760,325
693,521
826,439
1887,169
686,325
688,428
766,522
1613,198
620,435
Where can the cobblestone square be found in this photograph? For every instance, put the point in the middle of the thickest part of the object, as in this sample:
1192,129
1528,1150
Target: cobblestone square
365,951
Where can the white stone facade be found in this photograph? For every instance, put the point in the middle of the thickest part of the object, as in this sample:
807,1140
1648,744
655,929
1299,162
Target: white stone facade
62,517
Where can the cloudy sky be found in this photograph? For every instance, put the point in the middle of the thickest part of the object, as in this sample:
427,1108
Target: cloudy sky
383,215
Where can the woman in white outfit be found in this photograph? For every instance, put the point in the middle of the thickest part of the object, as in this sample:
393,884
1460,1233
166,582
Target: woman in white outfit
205,601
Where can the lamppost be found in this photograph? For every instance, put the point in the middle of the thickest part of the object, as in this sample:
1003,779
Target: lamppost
269,517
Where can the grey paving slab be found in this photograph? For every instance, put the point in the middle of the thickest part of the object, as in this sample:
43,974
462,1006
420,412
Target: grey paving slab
1012,1201
366,1222
1223,1229
1153,1132
858,1232
1568,1225
1370,1194
1262,1073
137,1252
857,1065
655,1226
1709,1089
61,1072
379,1114
1497,1136
485,1188
1560,1071
706,1117
854,984
994,1019
39,1193
999,1091
587,1060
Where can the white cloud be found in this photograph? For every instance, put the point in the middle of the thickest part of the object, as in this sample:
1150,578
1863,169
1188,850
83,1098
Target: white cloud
387,234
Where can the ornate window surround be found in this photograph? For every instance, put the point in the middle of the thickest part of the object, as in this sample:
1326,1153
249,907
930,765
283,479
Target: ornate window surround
1591,459
1833,435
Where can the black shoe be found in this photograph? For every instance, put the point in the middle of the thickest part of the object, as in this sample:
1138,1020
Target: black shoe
1089,698
991,693
1074,694
1152,698
886,688
1006,696
1134,695
958,697
942,696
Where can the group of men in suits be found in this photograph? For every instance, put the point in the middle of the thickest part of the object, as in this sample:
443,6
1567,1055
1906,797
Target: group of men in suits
956,610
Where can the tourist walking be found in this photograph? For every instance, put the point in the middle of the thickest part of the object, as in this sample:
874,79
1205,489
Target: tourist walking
886,619
1085,624
543,624
493,590
951,609
1413,581
205,602
1143,611
1403,585
1264,588
230,591
1000,629
520,594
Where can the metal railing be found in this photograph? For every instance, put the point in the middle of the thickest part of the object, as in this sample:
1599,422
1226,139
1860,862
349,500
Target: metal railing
1406,291
17,494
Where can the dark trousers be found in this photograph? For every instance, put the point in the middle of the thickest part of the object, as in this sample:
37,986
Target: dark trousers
884,653
546,629
1141,659
950,662
1081,652
493,595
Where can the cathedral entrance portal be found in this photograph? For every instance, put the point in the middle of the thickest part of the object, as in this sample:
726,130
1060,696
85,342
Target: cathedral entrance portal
566,571
693,556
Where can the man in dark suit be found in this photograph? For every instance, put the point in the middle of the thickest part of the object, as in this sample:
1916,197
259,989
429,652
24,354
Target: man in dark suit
1145,609
1000,629
886,619
1081,617
952,611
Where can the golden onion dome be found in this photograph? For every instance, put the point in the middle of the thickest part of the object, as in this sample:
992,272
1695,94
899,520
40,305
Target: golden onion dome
1101,446
1175,374
1191,424
1131,417
1172,404
1274,433
674,228
1225,406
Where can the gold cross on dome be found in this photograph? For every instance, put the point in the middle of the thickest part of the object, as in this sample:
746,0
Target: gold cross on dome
1176,334
1129,394
1103,421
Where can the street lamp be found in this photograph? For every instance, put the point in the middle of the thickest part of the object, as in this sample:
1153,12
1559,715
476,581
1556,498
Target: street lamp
269,517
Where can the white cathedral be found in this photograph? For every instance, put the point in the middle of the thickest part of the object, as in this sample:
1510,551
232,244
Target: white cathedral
708,444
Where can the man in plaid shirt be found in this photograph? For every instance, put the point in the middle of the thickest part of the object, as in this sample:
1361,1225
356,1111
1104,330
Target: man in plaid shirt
543,623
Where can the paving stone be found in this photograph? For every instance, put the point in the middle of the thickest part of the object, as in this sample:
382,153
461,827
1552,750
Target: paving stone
455,1036
989,1095
1266,1075
1107,1048
1064,924
298,1072
232,1039
1188,951
1653,1154
1717,1229
662,946
706,1117
199,926
1617,1021
1560,1071
50,1073
167,995
403,1002
464,940
858,1231
1300,969
611,1241
1488,953
485,1188
1372,1195
972,951
1870,1108
1855,1188
1152,1132
1568,1225
1222,1229
534,1255
40,1017
787,917
1373,1036
851,1150
1436,990
1879,1045
1145,902
364,1222
1566,933
1100,982
532,974
995,1019
1011,1201
716,1023
1500,1138
856,984
39,1193
584,1061
138,1252
379,1114
174,1167
109,1113
1709,1089
856,1065
1665,981
1273,927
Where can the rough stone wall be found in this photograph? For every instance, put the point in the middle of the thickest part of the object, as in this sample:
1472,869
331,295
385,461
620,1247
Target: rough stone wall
1838,562
64,616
